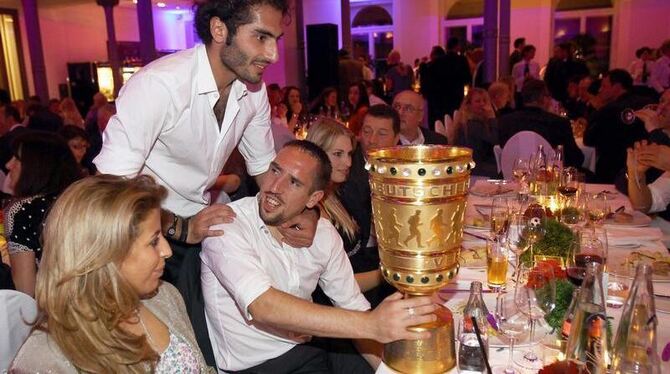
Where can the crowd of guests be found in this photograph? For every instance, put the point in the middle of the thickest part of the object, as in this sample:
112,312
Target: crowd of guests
90,248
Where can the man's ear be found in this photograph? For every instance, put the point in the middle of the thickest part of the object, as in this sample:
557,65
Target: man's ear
218,30
314,199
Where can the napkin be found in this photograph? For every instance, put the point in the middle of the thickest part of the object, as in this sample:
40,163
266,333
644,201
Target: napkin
632,236
487,189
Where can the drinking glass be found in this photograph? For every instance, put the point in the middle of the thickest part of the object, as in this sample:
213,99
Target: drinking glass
569,184
590,245
512,324
535,296
597,208
531,228
499,218
497,259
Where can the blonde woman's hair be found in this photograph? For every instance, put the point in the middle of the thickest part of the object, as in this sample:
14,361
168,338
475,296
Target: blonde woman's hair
324,133
464,113
81,295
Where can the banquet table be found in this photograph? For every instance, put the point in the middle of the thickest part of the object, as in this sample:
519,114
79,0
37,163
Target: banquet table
648,238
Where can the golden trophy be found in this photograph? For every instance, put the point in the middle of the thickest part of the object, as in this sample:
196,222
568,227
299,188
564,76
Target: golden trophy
418,205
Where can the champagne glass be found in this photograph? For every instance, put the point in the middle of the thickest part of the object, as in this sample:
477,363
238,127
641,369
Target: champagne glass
499,218
521,171
597,208
535,296
512,324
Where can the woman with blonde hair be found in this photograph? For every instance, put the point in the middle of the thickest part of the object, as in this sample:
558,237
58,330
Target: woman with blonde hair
70,113
339,144
102,307
476,127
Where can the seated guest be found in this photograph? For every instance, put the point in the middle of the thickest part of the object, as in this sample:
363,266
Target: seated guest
409,106
326,103
102,306
609,130
357,104
501,98
292,109
41,168
257,288
16,127
534,116
339,144
70,113
77,140
42,119
476,127
657,122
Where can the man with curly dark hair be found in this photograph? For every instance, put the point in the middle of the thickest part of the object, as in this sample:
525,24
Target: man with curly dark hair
179,119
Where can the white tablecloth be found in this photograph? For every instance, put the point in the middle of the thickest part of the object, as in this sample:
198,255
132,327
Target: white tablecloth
462,281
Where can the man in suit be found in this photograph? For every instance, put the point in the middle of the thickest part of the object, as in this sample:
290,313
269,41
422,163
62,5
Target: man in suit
535,117
516,56
409,106
381,128
614,128
349,71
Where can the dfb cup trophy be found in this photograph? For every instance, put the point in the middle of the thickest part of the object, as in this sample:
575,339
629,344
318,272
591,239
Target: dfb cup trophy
418,204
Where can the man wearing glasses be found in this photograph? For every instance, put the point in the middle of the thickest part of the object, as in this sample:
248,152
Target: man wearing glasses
409,106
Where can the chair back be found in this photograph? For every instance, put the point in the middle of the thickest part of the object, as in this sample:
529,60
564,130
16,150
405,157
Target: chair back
522,144
17,311
497,151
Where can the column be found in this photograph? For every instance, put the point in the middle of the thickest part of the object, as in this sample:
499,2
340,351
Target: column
300,46
146,26
35,48
504,37
346,25
490,40
112,48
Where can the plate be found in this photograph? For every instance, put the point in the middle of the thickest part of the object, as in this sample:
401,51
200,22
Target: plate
472,256
624,263
639,219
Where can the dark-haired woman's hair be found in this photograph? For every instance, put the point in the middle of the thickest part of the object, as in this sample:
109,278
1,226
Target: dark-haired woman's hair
47,164
233,13
69,132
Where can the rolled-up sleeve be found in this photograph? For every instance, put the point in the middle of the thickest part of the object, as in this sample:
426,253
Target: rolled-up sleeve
257,144
660,193
338,281
133,130
235,265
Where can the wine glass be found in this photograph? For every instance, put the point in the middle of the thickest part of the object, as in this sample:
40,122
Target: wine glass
520,172
531,228
597,208
512,324
590,245
499,218
535,296
569,183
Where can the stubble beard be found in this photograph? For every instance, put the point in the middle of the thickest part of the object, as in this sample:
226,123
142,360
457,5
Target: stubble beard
235,60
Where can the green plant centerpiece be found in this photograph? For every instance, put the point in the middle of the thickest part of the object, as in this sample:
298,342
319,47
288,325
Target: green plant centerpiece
555,246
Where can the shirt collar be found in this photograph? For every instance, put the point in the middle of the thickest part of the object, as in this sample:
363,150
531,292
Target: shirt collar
418,141
205,77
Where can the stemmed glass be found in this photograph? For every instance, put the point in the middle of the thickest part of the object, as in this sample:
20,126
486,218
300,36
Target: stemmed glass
511,323
500,216
531,228
535,296
597,208
520,171
569,184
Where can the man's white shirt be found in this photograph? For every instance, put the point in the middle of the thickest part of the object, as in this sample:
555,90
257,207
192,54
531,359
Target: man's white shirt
245,262
165,127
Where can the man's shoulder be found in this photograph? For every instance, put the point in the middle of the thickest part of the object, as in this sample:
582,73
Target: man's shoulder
172,68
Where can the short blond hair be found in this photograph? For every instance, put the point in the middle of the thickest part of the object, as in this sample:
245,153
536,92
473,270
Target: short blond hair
81,295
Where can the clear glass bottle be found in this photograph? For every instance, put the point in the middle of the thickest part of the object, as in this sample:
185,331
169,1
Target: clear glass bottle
538,171
569,314
587,347
559,159
635,349
470,358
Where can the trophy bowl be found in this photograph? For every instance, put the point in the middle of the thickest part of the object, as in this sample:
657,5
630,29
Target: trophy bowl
418,204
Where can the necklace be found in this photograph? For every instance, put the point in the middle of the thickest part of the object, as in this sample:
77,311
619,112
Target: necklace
146,331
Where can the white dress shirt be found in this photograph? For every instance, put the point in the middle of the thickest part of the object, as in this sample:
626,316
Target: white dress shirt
518,72
240,266
660,193
165,127
660,74
419,140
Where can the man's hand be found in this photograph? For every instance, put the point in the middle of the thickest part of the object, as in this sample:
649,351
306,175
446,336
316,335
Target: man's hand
198,225
299,232
654,155
394,315
650,119
633,165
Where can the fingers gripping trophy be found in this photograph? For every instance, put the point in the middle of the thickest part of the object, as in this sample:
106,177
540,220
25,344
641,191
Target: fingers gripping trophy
418,203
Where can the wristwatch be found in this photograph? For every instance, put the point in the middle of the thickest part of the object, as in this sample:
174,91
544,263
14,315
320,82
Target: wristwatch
172,230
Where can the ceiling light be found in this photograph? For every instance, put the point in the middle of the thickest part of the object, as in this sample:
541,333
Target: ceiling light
160,4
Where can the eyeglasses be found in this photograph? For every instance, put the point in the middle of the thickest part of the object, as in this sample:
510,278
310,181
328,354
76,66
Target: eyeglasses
405,108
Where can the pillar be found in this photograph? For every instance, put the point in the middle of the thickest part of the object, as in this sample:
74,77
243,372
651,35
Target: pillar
490,40
112,48
34,37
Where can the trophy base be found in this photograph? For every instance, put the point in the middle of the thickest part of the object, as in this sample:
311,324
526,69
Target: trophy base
436,354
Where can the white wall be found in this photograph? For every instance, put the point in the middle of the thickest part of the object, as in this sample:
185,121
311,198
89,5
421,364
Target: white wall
638,23
533,20
417,27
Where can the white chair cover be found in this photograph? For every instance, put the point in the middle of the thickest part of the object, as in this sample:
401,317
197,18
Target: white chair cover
522,144
17,310
440,128
449,130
